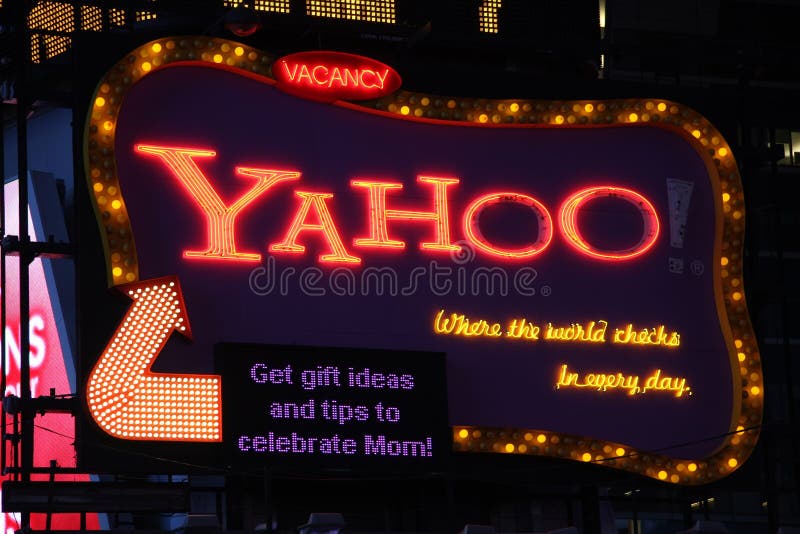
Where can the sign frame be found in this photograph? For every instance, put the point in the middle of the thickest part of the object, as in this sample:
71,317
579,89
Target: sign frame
700,134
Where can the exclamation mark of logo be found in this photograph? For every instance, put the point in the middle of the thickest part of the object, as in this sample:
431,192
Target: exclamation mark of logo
679,194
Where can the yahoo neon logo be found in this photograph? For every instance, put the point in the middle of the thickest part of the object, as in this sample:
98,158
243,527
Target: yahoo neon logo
313,215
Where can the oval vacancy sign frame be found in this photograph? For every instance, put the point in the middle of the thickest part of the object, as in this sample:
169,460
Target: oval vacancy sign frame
330,76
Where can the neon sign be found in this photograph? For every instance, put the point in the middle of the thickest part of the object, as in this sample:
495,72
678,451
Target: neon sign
459,226
221,218
330,76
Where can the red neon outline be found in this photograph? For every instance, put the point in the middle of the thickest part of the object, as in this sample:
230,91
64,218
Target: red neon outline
325,225
379,214
568,219
473,232
220,219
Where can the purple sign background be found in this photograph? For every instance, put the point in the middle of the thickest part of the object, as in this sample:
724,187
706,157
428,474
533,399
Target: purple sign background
491,382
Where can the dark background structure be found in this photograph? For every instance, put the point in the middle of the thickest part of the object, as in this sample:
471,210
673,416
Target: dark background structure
737,62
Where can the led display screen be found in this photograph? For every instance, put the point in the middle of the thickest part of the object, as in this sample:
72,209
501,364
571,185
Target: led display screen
333,407
578,263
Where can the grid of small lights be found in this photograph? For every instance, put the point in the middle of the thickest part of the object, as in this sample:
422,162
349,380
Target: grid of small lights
129,401
91,18
116,17
270,6
143,16
52,16
60,17
487,16
123,266
382,11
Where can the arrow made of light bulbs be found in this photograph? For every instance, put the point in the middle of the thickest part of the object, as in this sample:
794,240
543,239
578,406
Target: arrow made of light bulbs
127,399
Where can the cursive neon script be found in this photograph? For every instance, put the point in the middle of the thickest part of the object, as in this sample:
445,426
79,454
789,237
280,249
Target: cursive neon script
458,324
630,383
591,332
647,336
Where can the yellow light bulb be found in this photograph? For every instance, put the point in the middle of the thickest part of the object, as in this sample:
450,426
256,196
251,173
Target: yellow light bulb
662,475
541,438
587,457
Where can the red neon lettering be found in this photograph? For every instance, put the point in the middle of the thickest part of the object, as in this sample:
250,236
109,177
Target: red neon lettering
220,218
314,74
472,228
325,225
379,214
335,76
569,222
374,75
290,73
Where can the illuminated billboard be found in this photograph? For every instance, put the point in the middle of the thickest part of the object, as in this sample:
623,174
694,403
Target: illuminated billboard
577,262
51,363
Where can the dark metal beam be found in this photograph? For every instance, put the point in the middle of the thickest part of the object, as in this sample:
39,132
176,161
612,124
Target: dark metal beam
65,497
